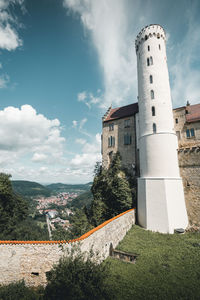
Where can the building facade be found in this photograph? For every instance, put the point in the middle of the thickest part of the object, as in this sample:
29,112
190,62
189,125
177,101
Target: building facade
148,135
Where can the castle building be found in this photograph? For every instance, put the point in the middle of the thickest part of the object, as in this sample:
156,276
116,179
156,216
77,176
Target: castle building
149,135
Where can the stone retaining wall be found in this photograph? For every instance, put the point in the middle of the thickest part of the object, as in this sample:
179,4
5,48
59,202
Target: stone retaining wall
30,260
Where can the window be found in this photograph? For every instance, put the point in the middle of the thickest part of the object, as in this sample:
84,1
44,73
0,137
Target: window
148,48
127,123
111,126
148,62
146,37
158,35
151,79
151,60
127,139
152,94
176,121
190,133
159,47
153,111
154,128
111,141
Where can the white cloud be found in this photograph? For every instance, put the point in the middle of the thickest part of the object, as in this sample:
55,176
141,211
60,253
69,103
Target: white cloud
23,131
80,141
74,123
9,38
89,156
108,25
90,99
82,96
82,123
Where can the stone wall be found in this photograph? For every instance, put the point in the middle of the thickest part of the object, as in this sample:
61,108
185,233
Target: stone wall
31,260
127,152
189,163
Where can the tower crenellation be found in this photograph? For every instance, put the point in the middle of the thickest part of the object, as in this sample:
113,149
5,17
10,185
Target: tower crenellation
148,32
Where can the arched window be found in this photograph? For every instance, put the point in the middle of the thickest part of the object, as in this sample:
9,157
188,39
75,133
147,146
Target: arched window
151,60
151,79
148,62
159,47
146,37
148,48
152,94
158,35
154,127
153,111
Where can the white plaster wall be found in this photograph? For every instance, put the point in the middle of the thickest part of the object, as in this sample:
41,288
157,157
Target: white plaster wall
161,205
18,261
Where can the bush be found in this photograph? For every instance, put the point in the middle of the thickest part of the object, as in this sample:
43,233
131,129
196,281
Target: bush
18,291
76,279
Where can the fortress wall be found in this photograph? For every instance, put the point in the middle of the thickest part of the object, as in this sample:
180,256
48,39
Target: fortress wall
189,163
31,260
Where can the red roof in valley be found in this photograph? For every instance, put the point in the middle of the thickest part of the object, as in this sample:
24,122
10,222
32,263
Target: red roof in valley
193,114
122,112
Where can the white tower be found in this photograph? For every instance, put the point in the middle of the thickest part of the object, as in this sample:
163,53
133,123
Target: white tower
161,204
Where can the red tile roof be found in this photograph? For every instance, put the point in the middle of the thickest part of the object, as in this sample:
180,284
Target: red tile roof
122,112
193,114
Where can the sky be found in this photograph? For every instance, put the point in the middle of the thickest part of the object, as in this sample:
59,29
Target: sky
64,62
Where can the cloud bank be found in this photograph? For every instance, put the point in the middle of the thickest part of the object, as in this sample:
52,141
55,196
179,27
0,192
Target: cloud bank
23,131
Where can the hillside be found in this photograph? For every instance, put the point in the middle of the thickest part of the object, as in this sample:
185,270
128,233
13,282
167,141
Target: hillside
82,200
62,187
30,189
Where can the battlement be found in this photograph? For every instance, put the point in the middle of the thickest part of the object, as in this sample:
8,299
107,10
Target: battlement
153,30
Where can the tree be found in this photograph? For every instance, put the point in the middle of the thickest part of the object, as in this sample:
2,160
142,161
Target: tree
112,192
13,208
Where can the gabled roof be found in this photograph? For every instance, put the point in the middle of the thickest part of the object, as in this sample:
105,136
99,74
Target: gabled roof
193,114
121,112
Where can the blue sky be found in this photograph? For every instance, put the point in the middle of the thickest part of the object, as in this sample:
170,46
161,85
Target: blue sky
63,62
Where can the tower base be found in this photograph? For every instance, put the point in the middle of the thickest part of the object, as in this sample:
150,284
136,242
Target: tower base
161,204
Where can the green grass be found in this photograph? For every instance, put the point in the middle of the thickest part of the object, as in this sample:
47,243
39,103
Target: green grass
167,267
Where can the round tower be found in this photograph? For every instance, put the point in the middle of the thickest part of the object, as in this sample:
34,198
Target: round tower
161,204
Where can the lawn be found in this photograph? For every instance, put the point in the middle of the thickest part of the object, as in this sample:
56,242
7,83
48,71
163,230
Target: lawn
167,267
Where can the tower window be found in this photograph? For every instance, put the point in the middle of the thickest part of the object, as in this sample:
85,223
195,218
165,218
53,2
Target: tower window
146,37
148,48
158,35
127,123
111,141
154,127
151,60
148,62
152,94
111,126
151,79
159,47
127,139
176,121
153,111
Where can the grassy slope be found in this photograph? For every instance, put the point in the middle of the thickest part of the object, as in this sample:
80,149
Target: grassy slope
168,266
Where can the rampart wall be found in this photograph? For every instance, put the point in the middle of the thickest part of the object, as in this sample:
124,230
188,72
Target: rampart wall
30,260
189,163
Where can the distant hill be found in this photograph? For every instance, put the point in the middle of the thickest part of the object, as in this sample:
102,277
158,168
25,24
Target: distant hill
62,187
29,188
82,200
